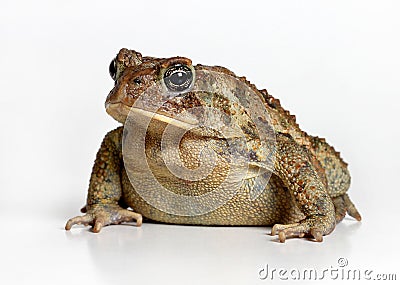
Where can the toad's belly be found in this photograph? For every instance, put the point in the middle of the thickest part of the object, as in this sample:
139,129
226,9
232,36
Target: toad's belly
273,205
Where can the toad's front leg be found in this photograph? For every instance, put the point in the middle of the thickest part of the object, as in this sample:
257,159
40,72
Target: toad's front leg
105,191
294,167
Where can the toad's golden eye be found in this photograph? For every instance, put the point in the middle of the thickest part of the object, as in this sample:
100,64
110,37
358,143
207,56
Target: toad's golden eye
113,69
178,78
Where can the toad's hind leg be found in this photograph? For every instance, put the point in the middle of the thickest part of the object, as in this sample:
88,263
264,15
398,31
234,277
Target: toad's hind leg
340,208
350,208
344,205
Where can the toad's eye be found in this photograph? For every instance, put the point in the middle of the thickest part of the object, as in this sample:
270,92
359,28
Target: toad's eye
113,69
178,77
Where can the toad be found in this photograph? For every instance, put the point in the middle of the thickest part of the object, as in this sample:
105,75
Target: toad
199,145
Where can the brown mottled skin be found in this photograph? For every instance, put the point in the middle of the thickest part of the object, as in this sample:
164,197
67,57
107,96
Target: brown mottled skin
305,196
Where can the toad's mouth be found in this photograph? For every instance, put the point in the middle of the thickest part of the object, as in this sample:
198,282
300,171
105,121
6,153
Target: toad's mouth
121,112
185,121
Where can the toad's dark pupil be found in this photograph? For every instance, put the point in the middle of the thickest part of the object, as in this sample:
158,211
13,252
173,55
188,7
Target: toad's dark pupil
178,78
113,69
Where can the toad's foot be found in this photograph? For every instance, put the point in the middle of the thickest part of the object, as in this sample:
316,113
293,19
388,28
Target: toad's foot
316,226
99,216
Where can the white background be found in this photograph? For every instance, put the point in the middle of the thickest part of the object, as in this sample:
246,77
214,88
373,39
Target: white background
335,65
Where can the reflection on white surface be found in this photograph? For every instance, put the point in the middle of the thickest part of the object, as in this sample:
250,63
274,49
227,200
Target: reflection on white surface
159,253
